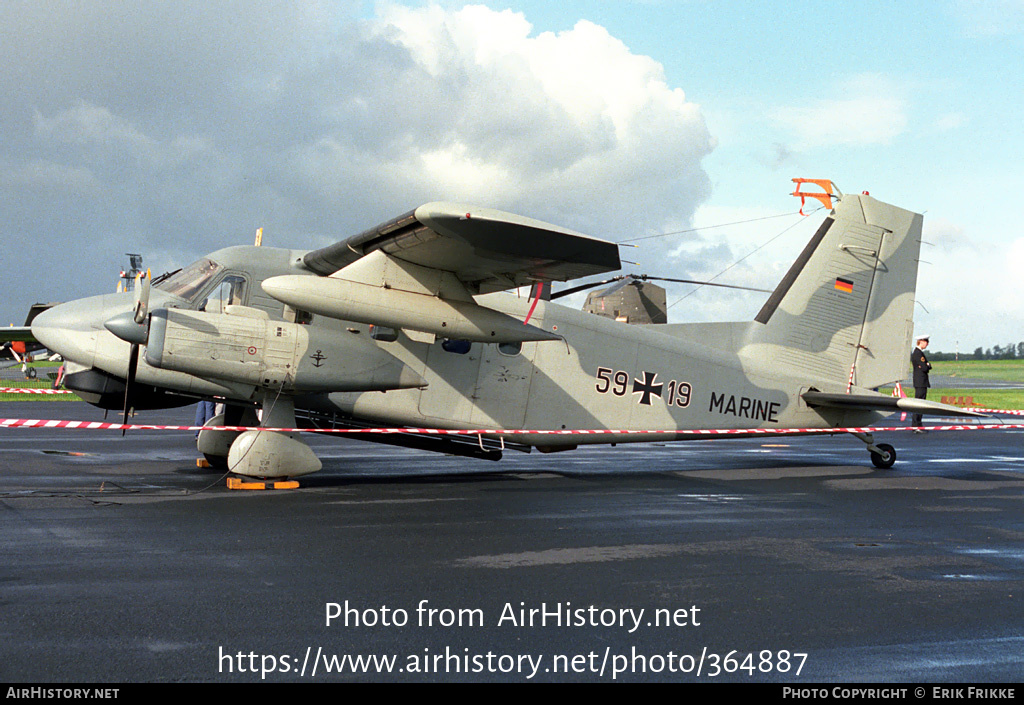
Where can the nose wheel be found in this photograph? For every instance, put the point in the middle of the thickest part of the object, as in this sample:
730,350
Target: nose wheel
883,455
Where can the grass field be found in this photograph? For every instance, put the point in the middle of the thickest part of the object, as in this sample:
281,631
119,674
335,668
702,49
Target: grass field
986,370
989,370
12,377
1003,370
982,398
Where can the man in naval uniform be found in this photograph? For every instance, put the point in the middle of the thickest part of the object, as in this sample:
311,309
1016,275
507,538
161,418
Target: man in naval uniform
922,367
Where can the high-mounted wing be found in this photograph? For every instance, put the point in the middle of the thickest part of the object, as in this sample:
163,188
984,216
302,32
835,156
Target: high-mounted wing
487,250
421,272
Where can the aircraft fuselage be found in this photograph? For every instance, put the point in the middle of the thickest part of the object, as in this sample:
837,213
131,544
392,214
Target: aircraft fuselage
600,375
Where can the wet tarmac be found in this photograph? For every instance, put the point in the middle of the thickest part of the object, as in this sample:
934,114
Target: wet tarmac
783,560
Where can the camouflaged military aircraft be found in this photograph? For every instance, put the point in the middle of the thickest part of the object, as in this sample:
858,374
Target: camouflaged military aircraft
412,324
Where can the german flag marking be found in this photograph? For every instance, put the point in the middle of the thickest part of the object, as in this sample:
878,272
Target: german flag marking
844,285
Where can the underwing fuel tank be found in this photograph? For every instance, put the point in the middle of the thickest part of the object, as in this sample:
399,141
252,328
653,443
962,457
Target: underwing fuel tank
243,345
355,301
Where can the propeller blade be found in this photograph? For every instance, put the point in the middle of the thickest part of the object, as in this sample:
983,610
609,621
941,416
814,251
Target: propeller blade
133,366
142,284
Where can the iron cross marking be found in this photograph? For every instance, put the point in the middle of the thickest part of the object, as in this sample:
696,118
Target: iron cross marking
318,358
647,387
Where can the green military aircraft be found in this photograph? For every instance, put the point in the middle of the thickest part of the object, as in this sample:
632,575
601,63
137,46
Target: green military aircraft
411,324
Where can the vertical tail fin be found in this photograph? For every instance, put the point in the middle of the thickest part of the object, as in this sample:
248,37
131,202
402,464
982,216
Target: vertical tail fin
844,311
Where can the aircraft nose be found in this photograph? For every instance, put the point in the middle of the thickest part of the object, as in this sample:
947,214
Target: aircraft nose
70,329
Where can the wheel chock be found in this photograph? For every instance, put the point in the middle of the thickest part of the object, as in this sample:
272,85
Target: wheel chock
237,483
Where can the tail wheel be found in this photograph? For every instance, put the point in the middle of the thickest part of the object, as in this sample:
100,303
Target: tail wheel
886,458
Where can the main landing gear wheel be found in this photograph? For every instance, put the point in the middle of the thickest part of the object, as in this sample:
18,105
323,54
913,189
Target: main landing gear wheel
886,458
218,462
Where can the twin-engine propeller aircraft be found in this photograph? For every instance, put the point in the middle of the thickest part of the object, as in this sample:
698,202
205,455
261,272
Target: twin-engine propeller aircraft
410,324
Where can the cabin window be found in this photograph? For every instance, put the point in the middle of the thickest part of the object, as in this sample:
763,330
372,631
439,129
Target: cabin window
459,347
297,315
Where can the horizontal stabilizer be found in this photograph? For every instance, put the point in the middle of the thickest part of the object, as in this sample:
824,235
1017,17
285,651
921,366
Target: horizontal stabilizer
882,402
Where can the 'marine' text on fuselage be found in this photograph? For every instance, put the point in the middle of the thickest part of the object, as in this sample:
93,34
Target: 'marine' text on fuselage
746,407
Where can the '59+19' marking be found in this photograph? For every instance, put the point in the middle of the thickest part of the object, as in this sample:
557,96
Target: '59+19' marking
674,393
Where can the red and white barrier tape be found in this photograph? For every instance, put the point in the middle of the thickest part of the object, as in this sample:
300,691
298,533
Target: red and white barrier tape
103,425
41,390
29,390
998,412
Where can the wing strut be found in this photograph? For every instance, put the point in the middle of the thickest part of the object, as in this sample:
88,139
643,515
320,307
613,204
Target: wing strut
538,294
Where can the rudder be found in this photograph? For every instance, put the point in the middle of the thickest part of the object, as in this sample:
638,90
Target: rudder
844,311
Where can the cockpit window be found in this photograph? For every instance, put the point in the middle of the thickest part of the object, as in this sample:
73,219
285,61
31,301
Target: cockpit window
190,281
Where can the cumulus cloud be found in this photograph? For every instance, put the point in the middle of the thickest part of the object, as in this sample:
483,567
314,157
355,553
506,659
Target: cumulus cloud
868,110
569,126
177,132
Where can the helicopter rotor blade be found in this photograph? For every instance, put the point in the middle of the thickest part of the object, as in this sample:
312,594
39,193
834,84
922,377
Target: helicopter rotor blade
704,283
584,287
624,282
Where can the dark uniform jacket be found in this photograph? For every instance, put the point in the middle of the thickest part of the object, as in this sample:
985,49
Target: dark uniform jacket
921,368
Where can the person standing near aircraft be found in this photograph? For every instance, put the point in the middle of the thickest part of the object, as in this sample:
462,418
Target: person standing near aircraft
921,369
205,410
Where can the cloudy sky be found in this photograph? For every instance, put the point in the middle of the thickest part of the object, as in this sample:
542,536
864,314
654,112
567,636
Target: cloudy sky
173,129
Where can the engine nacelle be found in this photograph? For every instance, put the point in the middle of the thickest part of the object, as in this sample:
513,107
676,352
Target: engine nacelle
244,345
